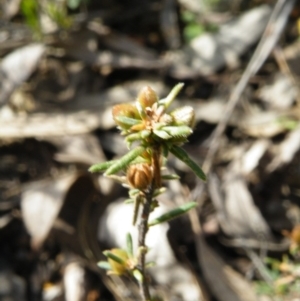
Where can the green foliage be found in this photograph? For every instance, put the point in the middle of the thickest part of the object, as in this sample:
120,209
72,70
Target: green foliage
183,156
153,127
193,27
178,131
173,214
129,244
124,161
155,133
284,277
104,265
171,96
102,166
137,202
57,12
288,123
114,257
29,9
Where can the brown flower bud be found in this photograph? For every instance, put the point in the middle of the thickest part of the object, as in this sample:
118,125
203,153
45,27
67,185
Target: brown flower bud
124,110
140,175
147,97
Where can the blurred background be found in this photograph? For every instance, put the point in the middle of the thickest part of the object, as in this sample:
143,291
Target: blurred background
65,63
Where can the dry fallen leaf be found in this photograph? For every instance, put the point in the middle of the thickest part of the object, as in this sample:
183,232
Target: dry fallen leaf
40,204
84,149
236,211
281,94
225,283
250,159
263,124
286,150
16,67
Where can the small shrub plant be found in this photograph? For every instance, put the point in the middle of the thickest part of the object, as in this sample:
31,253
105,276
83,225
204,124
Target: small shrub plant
151,133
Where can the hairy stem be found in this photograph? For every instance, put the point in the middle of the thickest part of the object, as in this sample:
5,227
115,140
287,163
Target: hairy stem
143,225
143,229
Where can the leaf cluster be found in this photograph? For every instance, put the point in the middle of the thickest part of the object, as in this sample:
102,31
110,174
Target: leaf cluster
148,123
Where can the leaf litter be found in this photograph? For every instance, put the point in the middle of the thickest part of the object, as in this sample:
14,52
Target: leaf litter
56,96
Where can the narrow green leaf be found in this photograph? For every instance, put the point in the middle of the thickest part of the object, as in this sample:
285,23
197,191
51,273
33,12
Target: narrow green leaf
129,201
138,275
145,133
178,131
162,134
123,162
127,120
173,214
101,166
123,132
140,160
150,264
159,191
170,177
174,92
184,157
133,192
121,179
114,257
104,265
129,244
159,125
133,137
136,207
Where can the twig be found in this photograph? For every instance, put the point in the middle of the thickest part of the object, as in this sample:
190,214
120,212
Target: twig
271,35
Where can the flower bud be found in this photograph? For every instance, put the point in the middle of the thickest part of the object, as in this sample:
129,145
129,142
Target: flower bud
184,116
124,110
147,97
140,175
